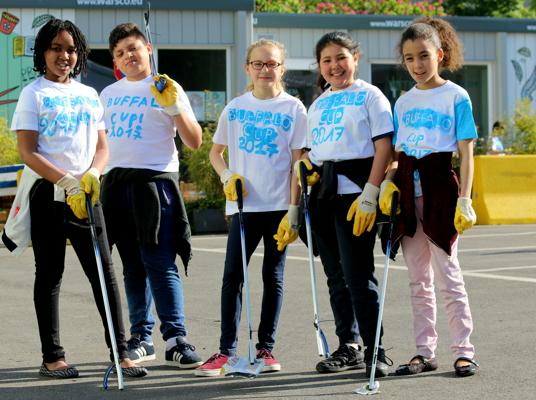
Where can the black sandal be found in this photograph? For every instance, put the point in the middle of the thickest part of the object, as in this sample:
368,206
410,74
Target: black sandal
65,373
424,365
465,370
134,372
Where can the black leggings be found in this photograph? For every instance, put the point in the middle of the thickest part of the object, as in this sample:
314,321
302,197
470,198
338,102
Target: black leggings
52,223
348,262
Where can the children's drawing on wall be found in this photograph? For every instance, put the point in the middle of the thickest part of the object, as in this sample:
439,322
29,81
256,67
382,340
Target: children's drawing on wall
528,82
16,51
8,22
5,92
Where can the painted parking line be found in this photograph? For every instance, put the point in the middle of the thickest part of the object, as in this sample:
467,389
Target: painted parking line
503,268
472,273
498,234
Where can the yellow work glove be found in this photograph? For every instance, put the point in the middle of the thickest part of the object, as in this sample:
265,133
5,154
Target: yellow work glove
76,198
229,178
387,188
287,232
169,99
363,209
90,184
464,217
312,178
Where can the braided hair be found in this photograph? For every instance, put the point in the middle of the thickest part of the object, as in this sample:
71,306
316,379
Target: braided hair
43,41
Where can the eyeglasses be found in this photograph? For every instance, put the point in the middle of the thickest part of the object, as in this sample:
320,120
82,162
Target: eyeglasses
259,65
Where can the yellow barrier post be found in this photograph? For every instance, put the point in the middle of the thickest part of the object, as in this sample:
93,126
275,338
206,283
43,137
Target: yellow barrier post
504,189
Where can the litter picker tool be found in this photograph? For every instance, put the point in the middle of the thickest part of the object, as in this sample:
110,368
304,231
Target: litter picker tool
321,342
372,387
161,82
109,322
240,366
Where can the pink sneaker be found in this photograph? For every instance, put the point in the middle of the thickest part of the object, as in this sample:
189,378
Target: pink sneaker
213,366
271,364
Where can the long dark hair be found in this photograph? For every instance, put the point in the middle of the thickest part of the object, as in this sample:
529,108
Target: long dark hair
339,38
44,38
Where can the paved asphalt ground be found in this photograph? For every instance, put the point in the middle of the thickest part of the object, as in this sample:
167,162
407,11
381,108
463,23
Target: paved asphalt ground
499,264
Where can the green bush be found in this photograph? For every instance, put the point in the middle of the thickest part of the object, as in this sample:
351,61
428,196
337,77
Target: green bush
203,203
378,7
523,129
200,171
9,153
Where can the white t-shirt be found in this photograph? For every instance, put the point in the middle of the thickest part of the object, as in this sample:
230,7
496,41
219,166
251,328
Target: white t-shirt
260,135
140,133
67,118
343,124
432,121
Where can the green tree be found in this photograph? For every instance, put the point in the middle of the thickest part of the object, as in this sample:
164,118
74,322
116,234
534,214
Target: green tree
524,128
200,170
482,8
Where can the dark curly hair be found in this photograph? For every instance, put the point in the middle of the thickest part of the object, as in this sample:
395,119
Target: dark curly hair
441,34
44,38
342,39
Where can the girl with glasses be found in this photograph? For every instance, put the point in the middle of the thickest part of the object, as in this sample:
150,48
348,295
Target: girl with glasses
264,132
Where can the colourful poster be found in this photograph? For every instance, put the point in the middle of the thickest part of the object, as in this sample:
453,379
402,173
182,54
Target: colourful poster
8,22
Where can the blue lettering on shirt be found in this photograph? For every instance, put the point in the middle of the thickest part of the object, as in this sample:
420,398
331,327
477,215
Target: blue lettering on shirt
56,102
127,124
132,101
68,122
66,115
342,99
260,129
428,119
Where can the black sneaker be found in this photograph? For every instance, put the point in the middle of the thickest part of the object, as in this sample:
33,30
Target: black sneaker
382,362
183,355
138,350
342,359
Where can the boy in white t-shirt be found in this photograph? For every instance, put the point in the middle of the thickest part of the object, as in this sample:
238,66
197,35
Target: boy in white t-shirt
142,203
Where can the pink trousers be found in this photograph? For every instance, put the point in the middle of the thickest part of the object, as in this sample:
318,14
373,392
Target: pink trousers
425,261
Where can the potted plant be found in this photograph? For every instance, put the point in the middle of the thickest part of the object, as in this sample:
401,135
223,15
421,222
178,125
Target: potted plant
206,209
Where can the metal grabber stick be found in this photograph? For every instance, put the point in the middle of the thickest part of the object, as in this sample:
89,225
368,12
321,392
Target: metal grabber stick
161,82
321,342
372,387
109,321
239,366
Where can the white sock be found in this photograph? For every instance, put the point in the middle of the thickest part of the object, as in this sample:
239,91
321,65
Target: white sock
171,342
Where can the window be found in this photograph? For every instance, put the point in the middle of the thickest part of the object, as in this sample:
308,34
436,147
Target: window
394,80
100,71
302,84
202,75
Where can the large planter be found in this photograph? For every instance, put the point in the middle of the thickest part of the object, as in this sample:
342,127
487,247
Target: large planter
208,220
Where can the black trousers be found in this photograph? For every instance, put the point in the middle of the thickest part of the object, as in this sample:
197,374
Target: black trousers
52,223
348,262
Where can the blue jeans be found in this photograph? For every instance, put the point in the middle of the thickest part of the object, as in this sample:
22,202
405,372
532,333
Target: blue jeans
257,225
149,271
348,263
